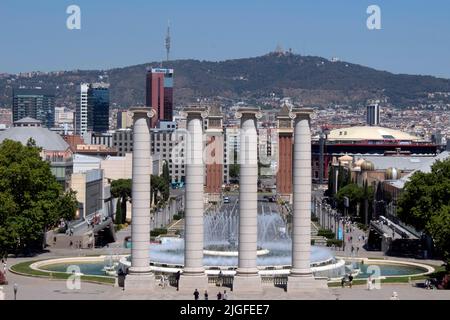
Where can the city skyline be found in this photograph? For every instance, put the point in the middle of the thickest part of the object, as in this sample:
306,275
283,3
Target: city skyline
218,32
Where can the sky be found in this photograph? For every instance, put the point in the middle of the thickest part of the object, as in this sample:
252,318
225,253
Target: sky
414,37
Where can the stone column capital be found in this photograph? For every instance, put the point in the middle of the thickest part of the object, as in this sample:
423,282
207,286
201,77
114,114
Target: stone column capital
194,112
141,112
298,114
245,113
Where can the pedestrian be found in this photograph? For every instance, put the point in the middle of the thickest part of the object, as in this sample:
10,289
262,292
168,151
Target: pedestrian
196,294
177,277
5,267
353,249
369,283
71,244
206,295
350,280
219,296
357,250
225,295
219,282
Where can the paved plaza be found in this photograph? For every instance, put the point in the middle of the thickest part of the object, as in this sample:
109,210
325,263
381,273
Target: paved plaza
43,289
30,288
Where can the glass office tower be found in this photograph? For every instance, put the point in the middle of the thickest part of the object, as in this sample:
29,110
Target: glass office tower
37,103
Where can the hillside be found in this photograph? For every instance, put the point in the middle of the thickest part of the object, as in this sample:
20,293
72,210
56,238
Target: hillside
309,80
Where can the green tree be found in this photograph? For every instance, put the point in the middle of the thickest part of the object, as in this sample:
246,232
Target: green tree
159,189
366,203
234,170
119,217
424,204
121,188
165,173
31,200
355,195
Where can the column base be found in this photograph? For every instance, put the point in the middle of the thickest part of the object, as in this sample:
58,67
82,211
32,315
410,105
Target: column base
189,282
247,284
142,282
306,282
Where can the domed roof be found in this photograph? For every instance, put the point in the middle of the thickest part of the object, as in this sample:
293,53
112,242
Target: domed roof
27,128
345,158
367,165
359,133
392,174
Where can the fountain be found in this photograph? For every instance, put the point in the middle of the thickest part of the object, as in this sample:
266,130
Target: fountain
221,239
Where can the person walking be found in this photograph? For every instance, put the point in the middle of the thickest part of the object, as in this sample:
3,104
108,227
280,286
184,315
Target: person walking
196,294
206,295
350,280
220,279
177,278
225,295
369,283
219,296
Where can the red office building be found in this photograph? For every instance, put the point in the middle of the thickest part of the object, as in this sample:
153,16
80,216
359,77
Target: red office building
159,94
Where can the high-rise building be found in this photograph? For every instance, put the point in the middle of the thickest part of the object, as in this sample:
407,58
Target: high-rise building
373,113
159,94
124,119
92,109
98,104
38,104
81,110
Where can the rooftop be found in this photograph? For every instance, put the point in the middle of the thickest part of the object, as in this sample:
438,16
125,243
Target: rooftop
425,167
27,128
362,133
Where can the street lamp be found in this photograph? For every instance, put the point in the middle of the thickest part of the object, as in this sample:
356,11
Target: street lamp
16,287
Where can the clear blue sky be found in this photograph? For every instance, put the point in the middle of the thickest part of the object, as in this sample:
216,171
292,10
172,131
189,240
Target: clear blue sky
415,35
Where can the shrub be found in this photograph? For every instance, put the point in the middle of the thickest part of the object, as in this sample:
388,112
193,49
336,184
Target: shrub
177,217
313,242
336,242
158,231
326,233
362,226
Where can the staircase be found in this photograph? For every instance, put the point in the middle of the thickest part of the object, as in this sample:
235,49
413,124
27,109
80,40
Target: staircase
318,240
174,226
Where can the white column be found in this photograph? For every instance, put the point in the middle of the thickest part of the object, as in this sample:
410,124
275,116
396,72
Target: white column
140,276
194,276
301,277
247,278
301,220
